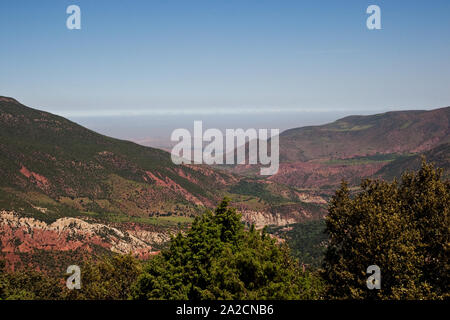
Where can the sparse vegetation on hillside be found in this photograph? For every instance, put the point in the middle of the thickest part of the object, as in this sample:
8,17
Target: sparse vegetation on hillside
355,136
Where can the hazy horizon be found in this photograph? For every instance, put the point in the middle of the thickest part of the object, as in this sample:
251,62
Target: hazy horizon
139,70
240,58
155,130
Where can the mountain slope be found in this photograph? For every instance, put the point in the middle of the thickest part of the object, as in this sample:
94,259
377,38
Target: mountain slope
56,172
439,155
67,191
358,147
50,155
357,136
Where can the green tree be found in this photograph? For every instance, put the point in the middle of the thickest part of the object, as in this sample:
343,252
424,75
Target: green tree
427,199
108,278
401,227
218,259
29,285
3,283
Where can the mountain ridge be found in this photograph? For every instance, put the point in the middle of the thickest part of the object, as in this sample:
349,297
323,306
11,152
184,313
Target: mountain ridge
54,169
356,147
389,132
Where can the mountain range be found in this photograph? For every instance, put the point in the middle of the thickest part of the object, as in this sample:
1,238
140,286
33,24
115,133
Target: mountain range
60,179
67,192
355,147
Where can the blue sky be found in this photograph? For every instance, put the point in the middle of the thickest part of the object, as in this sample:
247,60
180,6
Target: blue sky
247,56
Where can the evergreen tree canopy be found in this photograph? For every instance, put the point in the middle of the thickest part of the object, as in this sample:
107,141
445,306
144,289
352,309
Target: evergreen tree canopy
218,259
109,278
402,227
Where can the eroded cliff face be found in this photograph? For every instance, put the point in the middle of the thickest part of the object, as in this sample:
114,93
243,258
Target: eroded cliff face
22,235
25,235
260,219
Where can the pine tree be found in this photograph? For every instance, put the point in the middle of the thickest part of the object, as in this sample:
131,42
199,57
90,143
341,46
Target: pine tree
218,259
403,228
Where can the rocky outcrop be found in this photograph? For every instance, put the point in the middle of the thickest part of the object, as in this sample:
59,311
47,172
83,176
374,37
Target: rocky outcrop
261,219
19,234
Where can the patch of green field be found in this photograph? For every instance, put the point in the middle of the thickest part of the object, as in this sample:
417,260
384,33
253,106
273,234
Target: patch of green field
259,190
156,221
406,125
35,205
368,159
343,126
38,198
252,202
